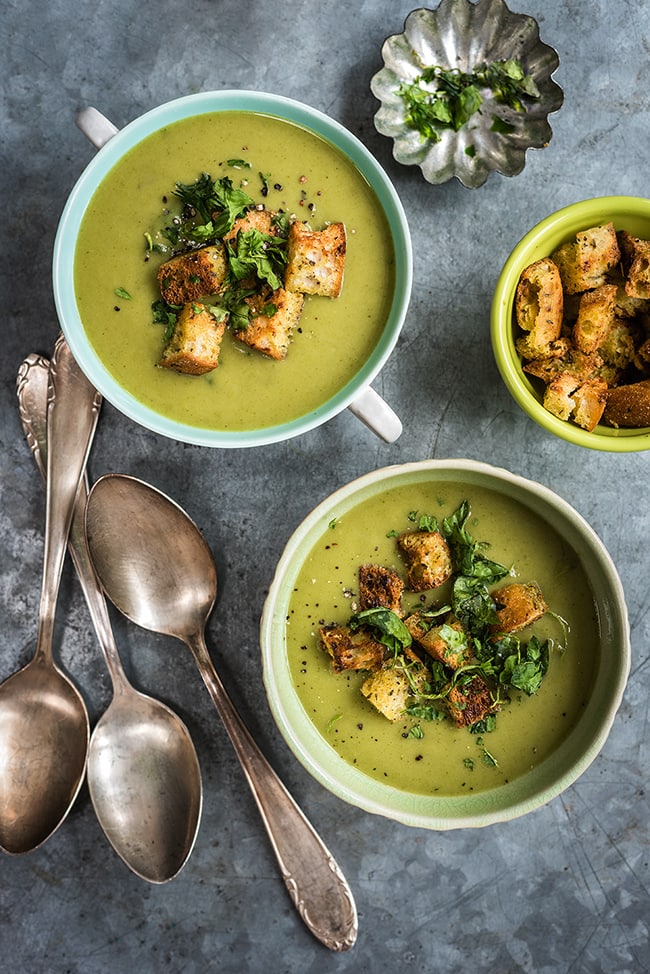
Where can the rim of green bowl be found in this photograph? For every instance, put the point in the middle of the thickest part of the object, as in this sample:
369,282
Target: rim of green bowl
256,102
625,212
509,801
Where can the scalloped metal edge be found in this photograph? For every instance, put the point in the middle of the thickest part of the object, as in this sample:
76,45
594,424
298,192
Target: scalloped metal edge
459,33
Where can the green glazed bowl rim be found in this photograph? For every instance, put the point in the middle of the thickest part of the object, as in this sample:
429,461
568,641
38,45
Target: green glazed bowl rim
285,109
539,242
509,801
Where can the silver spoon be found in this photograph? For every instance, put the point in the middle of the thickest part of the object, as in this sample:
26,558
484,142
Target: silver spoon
143,772
160,573
44,727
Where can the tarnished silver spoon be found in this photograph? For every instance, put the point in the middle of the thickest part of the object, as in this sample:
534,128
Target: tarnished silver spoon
161,574
44,726
143,771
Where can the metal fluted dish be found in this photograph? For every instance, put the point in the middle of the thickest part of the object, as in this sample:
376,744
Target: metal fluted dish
462,35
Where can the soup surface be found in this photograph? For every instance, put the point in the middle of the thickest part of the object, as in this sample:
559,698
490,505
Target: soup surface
446,760
316,183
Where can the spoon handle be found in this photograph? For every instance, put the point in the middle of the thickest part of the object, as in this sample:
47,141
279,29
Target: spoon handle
72,413
32,391
315,883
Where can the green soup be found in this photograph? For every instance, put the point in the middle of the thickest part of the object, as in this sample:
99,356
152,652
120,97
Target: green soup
316,183
446,761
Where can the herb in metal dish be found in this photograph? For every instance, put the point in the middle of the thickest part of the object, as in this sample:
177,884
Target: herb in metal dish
446,98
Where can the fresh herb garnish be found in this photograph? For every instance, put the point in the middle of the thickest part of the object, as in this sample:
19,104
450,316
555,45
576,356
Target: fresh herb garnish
123,293
387,627
446,98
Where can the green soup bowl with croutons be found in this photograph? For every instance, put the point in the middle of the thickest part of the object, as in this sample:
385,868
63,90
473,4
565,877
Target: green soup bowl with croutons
573,346
440,700
233,268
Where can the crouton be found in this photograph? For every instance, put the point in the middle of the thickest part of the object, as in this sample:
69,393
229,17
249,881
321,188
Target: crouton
629,406
619,346
628,306
470,702
438,643
380,587
517,605
539,303
595,318
255,219
270,332
316,259
352,650
570,361
428,559
557,395
585,262
642,357
194,275
195,344
590,399
389,690
636,262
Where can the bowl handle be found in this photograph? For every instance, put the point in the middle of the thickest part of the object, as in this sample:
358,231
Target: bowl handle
96,127
377,415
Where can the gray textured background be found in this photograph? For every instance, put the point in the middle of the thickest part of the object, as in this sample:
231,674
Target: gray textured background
562,890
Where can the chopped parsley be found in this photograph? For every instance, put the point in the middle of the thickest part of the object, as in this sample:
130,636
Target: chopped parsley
506,663
446,98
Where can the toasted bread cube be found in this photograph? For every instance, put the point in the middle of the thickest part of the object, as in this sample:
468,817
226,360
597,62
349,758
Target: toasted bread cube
590,399
271,333
316,259
195,344
539,303
636,261
390,690
470,702
557,395
595,318
518,605
642,357
620,345
380,587
628,306
570,362
629,406
585,262
428,559
351,650
255,219
194,275
433,641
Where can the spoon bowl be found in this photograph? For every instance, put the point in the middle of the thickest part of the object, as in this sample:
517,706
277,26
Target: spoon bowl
145,785
42,718
143,773
161,574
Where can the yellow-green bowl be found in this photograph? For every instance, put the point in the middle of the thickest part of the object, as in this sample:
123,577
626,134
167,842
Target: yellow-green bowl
626,213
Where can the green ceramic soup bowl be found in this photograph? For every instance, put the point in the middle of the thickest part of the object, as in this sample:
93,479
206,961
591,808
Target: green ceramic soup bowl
378,765
626,213
349,389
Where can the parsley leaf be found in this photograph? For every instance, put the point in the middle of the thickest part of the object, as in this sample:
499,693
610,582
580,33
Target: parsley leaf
387,625
446,98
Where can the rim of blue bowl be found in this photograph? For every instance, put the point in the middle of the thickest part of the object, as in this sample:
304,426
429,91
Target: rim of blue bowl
559,224
508,801
263,103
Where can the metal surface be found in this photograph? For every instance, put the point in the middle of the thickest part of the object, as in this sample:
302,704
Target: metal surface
143,771
161,575
44,726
